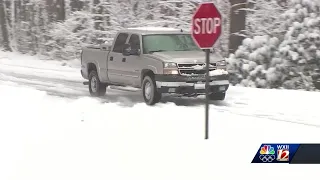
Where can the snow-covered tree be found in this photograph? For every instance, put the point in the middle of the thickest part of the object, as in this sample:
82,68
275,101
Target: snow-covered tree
264,18
288,61
101,20
257,63
301,44
59,28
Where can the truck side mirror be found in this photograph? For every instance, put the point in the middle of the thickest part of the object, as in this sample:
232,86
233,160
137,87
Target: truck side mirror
126,51
135,52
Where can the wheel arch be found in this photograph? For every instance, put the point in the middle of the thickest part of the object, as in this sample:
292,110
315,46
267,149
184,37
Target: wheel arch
146,72
91,66
94,66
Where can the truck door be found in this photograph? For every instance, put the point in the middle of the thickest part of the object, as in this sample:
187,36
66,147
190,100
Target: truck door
133,63
115,59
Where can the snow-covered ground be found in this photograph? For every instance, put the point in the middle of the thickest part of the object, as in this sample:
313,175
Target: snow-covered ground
51,129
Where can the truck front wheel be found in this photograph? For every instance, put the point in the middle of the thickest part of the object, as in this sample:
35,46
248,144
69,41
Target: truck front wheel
96,88
149,90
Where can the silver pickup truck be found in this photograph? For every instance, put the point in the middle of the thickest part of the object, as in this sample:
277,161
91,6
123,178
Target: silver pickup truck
157,60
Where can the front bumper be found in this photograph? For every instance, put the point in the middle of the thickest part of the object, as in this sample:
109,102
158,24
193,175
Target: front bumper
191,85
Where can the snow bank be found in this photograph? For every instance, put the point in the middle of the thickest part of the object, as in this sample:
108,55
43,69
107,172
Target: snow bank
44,137
34,61
33,65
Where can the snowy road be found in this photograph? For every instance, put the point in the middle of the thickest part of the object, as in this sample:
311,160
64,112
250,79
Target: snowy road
54,125
66,82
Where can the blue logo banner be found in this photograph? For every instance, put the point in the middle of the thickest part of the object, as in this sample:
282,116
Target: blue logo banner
275,153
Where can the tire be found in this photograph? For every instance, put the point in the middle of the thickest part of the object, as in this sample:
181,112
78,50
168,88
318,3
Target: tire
149,91
96,88
217,96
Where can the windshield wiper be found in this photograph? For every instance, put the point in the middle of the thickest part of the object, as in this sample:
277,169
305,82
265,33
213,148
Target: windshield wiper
186,49
156,51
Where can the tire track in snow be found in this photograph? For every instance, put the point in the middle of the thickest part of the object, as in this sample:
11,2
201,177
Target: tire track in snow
72,89
269,117
36,68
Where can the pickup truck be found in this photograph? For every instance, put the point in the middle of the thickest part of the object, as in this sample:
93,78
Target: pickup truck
156,60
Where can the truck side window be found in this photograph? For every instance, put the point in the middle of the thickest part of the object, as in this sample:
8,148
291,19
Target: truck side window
121,40
134,42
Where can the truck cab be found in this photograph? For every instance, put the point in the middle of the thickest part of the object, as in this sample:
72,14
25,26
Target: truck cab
157,60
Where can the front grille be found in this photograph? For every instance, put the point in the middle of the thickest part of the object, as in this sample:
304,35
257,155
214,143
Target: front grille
195,69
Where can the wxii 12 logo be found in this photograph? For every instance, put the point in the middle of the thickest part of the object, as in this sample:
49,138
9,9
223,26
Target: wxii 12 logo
283,153
272,153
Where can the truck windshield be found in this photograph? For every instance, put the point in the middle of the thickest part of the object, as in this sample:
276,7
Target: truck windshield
168,42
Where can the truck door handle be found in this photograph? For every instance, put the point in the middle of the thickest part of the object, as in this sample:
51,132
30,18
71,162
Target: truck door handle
111,58
124,59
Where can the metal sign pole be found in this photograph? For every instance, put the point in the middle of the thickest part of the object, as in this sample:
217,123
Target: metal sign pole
207,93
205,38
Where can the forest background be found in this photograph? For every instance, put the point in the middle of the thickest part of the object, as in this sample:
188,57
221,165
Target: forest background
267,43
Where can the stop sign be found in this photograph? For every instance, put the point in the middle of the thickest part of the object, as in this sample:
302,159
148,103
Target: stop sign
206,25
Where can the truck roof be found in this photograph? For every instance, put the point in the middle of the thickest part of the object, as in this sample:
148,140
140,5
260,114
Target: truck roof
154,30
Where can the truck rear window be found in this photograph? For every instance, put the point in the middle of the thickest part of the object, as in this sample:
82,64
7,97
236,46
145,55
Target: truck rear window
168,42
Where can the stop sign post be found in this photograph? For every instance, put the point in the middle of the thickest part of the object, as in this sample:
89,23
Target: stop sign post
206,30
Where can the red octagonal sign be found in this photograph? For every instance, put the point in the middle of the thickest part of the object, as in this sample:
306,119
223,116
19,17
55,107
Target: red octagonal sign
206,25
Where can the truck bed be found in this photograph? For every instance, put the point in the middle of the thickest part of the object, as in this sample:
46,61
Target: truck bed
95,55
104,47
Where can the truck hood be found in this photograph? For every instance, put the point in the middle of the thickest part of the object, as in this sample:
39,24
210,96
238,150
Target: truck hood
185,56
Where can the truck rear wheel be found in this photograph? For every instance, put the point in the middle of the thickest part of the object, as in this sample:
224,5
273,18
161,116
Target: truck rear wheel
96,88
217,96
149,91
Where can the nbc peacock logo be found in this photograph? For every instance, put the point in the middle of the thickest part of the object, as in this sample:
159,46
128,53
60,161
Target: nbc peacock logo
267,154
267,149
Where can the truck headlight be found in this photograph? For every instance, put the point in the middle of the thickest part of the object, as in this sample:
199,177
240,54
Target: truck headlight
222,63
170,65
170,68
